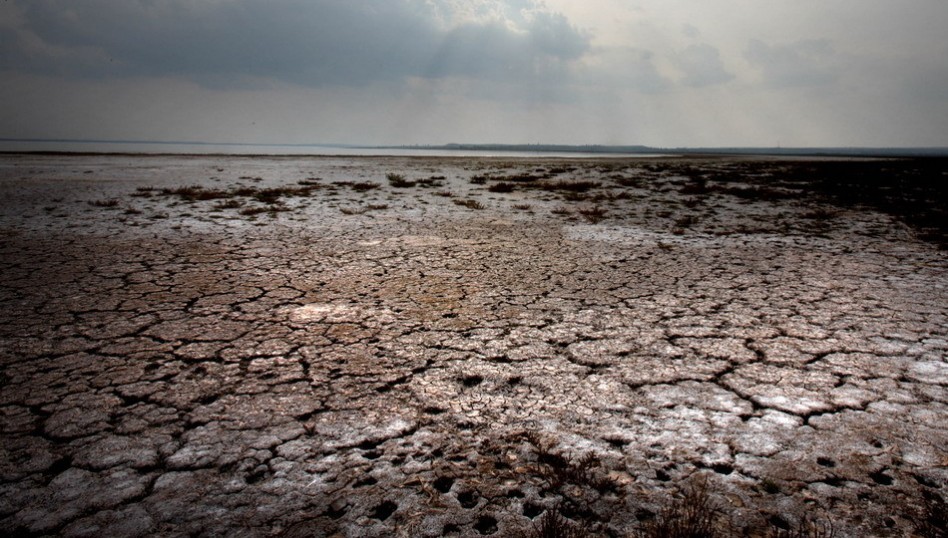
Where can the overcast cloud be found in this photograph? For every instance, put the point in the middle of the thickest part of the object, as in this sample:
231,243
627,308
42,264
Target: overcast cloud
668,73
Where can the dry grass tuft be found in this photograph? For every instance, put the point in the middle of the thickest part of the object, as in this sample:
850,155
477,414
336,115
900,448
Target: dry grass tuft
692,515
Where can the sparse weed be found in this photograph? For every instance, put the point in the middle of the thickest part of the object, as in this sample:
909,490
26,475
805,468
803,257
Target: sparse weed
502,187
229,204
398,181
933,517
593,215
691,515
111,202
195,193
808,527
364,186
552,524
568,186
470,204
559,470
820,214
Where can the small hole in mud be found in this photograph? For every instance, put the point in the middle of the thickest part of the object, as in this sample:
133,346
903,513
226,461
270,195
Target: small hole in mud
515,494
515,380
450,528
449,315
434,410
778,521
532,510
472,380
468,499
644,514
372,455
616,442
879,477
722,468
367,481
826,462
443,484
209,399
486,525
255,477
384,510
368,445
336,513
662,475
925,481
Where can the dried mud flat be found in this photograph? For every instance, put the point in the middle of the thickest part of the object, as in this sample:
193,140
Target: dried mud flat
212,346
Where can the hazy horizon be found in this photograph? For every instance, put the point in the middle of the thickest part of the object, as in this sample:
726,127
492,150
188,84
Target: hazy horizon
736,73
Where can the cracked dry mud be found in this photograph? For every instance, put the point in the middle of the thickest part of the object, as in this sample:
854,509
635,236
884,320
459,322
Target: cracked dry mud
380,360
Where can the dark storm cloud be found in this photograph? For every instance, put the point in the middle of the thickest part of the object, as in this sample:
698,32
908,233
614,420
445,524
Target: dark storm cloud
309,42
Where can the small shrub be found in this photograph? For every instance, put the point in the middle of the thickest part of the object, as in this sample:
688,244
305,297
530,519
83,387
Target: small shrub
559,470
195,193
685,222
364,186
502,187
470,204
808,527
692,515
228,204
273,195
398,181
523,207
552,524
594,215
820,214
271,209
568,186
111,202
933,517
696,186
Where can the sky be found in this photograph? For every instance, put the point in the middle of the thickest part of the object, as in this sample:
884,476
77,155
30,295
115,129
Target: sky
664,73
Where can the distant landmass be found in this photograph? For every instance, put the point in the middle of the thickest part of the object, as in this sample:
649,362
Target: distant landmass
48,145
634,150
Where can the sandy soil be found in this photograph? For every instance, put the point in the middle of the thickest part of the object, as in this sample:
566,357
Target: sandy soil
214,346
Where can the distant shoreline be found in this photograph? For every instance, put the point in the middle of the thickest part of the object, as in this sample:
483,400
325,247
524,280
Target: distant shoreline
121,147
